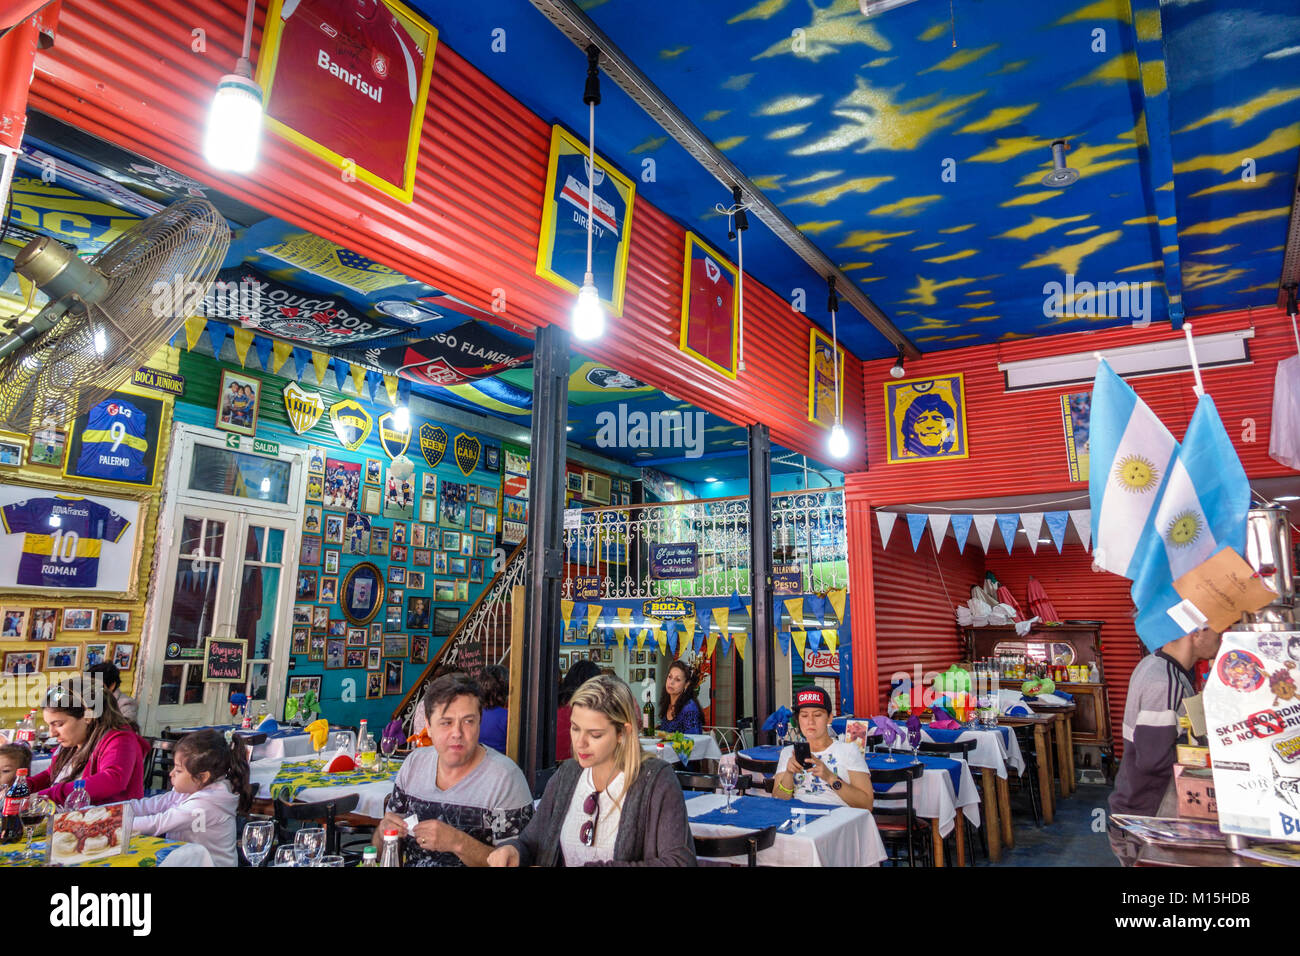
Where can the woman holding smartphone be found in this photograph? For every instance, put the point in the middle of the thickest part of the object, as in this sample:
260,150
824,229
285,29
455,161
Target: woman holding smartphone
828,771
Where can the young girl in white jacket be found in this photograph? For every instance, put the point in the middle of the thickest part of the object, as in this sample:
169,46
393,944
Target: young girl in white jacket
209,783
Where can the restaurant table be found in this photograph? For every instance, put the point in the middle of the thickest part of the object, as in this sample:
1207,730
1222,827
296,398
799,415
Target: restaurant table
996,749
945,787
302,781
844,836
142,851
1160,855
285,742
1063,732
1042,724
704,747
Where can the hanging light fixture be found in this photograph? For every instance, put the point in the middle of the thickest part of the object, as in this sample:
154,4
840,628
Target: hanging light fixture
838,445
897,371
588,316
235,119
1061,174
402,418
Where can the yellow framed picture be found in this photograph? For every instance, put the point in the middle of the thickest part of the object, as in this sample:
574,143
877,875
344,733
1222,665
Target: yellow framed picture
821,378
349,82
562,246
710,309
926,419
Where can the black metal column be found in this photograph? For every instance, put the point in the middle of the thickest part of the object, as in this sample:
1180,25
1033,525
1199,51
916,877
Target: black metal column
760,574
545,554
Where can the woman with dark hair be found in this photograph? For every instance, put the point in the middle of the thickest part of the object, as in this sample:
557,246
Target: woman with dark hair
929,426
96,745
679,712
578,675
495,684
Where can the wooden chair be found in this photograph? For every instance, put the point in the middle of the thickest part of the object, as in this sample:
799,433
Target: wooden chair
748,844
1027,781
895,813
326,812
699,782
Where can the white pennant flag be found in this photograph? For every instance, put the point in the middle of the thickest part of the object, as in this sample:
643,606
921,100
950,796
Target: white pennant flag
1083,525
938,528
984,526
886,521
1033,523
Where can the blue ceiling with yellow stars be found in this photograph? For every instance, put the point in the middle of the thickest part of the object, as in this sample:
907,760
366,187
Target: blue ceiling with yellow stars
911,145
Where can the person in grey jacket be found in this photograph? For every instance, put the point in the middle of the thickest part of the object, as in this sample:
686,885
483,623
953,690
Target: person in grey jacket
607,806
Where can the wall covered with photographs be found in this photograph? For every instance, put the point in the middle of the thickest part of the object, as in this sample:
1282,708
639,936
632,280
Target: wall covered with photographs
78,513
390,559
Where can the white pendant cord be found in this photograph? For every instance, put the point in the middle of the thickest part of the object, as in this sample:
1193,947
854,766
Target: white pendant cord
1296,333
248,30
729,212
1199,388
835,357
591,178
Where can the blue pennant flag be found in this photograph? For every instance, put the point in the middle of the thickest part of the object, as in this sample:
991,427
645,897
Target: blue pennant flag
301,359
579,617
960,529
817,605
815,639
724,641
1056,522
217,333
671,629
178,338
340,373
698,642
736,603
372,379
916,524
262,345
784,638
1008,524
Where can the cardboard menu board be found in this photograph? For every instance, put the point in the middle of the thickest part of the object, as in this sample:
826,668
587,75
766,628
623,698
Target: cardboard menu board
81,836
224,660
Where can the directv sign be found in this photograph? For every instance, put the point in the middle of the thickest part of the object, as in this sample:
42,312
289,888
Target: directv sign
668,607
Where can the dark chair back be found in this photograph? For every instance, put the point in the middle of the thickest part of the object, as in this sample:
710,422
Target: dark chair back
543,778
158,763
885,805
326,812
758,766
701,782
748,844
960,749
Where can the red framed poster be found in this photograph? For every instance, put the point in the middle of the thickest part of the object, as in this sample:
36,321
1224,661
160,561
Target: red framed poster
710,308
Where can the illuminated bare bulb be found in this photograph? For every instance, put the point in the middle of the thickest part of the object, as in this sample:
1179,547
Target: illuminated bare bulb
234,130
588,316
402,418
838,445
101,341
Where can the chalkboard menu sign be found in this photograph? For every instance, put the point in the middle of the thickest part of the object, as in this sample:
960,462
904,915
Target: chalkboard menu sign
674,561
224,660
586,587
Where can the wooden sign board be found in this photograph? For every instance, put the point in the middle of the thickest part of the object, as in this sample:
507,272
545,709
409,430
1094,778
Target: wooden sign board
224,660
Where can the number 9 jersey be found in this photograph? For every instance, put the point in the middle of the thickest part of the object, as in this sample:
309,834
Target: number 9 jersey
62,539
113,445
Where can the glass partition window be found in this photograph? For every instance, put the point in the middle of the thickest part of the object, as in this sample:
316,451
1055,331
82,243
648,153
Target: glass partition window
237,474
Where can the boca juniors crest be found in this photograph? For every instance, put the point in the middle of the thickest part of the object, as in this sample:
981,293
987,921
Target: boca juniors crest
393,440
467,452
303,408
351,423
433,444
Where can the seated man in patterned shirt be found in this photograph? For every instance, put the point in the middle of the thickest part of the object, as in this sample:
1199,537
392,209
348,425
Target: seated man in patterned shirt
835,773
465,796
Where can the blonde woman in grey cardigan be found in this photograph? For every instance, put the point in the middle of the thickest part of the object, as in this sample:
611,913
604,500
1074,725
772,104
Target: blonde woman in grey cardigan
606,806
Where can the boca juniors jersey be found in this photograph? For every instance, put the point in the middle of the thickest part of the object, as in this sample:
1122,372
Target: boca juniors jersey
709,331
113,446
569,253
62,537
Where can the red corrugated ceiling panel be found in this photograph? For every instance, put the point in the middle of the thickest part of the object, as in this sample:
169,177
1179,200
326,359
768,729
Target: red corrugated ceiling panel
1078,593
474,225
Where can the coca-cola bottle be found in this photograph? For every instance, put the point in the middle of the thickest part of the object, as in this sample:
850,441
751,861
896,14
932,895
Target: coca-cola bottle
11,821
25,733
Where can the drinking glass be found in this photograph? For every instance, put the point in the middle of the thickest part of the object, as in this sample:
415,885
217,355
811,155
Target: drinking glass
342,742
331,859
257,840
286,855
800,820
388,746
914,739
309,844
728,776
35,809
366,752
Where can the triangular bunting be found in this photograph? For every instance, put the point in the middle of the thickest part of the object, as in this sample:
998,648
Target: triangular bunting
832,639
783,641
661,639
737,603
390,387
1033,522
243,339
815,605
886,521
1083,525
301,359
795,608
262,346
194,326
217,332
961,529
321,363
1056,522
814,638
710,644
838,598
1007,524
359,380
372,382
721,617
916,525
593,615
938,529
566,612
280,352
625,618
340,374
740,644
800,637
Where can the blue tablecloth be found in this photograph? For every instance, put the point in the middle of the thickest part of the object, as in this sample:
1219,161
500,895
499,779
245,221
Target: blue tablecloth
881,762
222,728
950,736
769,752
757,813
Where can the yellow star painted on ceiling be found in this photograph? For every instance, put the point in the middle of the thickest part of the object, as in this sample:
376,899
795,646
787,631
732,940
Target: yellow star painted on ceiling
861,237
908,206
934,31
1000,118
731,142
650,145
787,132
964,254
1216,226
817,177
786,104
1280,140
1099,10
925,289
881,61
1217,250
985,318
1202,275
1008,336
712,116
816,228
1069,258
1119,69
928,245
828,194
1038,225
1235,184
1008,149
960,59
976,305
1262,287
852,266
1032,199
832,28
979,292
1010,67
962,338
674,53
1082,230
768,183
952,229
1245,112
877,122
738,82
761,11
1151,221
933,325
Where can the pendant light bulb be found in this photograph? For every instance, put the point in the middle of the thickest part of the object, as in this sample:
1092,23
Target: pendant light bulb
588,316
898,370
838,445
402,418
234,131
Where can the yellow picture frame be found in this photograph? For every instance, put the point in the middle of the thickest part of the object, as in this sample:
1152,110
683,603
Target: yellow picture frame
905,443
562,139
694,242
268,59
823,417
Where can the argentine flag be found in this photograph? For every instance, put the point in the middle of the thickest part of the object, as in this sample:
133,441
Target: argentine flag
1131,451
1201,511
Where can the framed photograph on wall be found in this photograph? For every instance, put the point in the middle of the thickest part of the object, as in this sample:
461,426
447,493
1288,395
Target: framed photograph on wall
311,520
925,419
13,623
114,622
415,580
331,562
376,633
307,585
399,532
429,508
334,651
63,657
379,541
374,471
374,684
396,595
483,547
354,657
316,646
310,550
320,618
372,658
392,677
421,557
237,402
439,562
418,535
124,656
329,590
396,645
356,637
45,622
301,636
23,662
334,528
419,648
78,619
398,553
371,499
96,654
451,541
47,447
342,484
357,534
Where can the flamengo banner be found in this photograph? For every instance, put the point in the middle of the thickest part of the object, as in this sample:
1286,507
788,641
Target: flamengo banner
348,82
461,355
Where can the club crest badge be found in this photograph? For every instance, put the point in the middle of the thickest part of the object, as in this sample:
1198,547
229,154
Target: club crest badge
351,423
467,452
393,440
433,444
303,408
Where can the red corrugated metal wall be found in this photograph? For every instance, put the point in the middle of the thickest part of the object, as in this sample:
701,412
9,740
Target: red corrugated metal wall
126,72
1080,594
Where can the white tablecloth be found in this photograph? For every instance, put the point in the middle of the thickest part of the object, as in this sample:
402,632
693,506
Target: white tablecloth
188,854
704,748
372,795
934,799
844,837
990,751
299,745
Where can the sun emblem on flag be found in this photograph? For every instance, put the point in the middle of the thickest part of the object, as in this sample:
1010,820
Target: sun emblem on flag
1135,473
1184,530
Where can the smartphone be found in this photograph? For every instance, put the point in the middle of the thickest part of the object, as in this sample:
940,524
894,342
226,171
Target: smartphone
803,753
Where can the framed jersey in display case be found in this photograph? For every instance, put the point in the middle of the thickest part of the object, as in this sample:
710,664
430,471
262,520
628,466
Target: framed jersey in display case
74,544
710,310
116,441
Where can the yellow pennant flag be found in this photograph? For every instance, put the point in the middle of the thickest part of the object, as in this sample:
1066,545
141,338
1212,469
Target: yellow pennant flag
661,638
194,327
280,352
800,640
624,624
837,597
740,644
566,612
709,644
721,615
593,615
243,339
640,639
166,359
795,607
832,638
359,380
321,363
390,386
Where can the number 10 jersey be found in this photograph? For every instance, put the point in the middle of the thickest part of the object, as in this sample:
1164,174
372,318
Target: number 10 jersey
62,539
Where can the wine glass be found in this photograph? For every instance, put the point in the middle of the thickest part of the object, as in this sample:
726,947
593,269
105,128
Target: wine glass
257,840
35,809
309,844
366,752
330,859
388,744
914,738
728,776
286,856
342,742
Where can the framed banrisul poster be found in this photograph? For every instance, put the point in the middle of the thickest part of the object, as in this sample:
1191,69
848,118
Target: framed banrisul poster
710,309
821,379
67,543
116,441
348,82
562,248
925,419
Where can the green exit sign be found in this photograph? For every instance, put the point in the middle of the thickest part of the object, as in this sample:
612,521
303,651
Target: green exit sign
232,441
263,447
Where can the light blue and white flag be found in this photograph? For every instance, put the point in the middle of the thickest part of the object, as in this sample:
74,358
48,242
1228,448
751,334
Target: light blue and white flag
1131,451
1202,510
